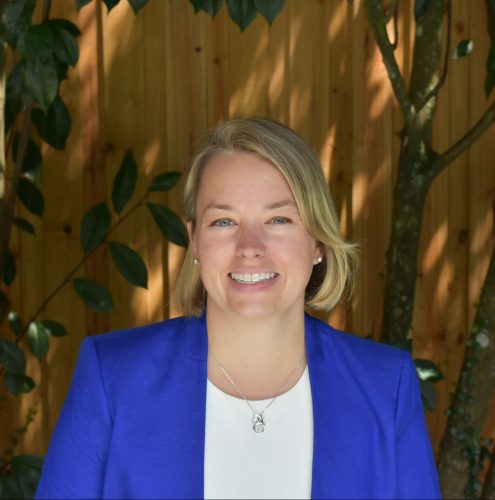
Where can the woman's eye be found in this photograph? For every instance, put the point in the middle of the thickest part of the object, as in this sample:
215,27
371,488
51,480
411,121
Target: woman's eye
280,220
222,223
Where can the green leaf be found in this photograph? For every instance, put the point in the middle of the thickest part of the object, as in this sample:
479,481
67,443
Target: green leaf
15,322
40,71
23,224
4,307
490,72
111,4
30,196
32,162
17,383
17,94
22,481
427,370
16,19
269,9
54,126
428,395
124,183
12,357
165,181
10,270
137,4
42,81
81,3
54,328
38,43
66,25
95,226
66,48
93,294
129,263
242,12
62,70
464,48
169,224
211,7
421,7
38,339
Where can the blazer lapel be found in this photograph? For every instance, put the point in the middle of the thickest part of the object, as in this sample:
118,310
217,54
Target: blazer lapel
191,430
320,378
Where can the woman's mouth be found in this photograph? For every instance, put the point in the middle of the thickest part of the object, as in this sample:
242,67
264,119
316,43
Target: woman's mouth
245,278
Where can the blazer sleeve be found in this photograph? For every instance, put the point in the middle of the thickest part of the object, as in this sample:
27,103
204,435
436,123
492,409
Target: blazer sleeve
417,474
75,463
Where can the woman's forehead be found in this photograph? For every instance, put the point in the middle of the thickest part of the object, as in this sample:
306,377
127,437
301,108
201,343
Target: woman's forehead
228,179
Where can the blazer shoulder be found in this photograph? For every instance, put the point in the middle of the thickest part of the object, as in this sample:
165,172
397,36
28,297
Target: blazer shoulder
355,341
362,353
140,338
142,353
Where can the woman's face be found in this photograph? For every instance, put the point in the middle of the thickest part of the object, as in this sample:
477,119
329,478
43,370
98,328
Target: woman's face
255,255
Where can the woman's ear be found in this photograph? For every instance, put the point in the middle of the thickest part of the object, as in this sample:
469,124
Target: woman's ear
320,253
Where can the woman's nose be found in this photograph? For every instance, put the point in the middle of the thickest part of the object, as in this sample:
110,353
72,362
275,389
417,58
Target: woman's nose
250,242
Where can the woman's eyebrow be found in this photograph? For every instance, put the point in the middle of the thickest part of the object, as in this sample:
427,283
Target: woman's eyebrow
281,204
216,206
271,206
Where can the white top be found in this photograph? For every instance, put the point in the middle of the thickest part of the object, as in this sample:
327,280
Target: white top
276,463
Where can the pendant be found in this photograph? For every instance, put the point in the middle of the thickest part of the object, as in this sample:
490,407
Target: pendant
258,424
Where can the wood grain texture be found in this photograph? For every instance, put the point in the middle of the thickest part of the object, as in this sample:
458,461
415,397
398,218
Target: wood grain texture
154,83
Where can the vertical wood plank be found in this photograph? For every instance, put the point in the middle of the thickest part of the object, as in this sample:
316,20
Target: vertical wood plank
93,139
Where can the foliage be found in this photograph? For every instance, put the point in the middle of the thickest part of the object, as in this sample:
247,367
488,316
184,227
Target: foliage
242,12
42,53
19,473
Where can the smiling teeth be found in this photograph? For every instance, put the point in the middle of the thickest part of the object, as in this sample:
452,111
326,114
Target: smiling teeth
252,278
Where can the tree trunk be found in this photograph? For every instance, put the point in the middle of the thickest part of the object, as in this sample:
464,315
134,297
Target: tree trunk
459,449
3,79
402,255
489,486
415,169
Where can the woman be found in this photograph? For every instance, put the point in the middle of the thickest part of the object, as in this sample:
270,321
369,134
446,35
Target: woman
246,396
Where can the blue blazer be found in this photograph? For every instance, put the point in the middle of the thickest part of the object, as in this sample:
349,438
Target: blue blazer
133,424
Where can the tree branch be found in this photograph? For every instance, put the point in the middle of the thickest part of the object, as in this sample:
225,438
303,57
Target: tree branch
391,12
84,258
434,91
465,141
377,21
394,17
7,208
46,10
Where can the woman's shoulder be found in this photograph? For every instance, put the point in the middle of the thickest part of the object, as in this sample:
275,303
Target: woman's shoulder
131,361
140,337
339,339
373,374
359,354
133,348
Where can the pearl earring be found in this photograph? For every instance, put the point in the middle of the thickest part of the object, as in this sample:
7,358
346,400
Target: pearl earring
319,260
196,262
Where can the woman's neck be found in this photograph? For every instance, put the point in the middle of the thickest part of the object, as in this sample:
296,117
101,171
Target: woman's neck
259,354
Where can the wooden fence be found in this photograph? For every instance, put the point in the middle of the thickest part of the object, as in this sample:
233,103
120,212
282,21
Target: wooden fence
155,82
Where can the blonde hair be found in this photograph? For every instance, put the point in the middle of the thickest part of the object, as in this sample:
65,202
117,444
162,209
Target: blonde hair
334,277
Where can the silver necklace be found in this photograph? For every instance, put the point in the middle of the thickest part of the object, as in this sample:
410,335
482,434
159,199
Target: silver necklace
257,421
